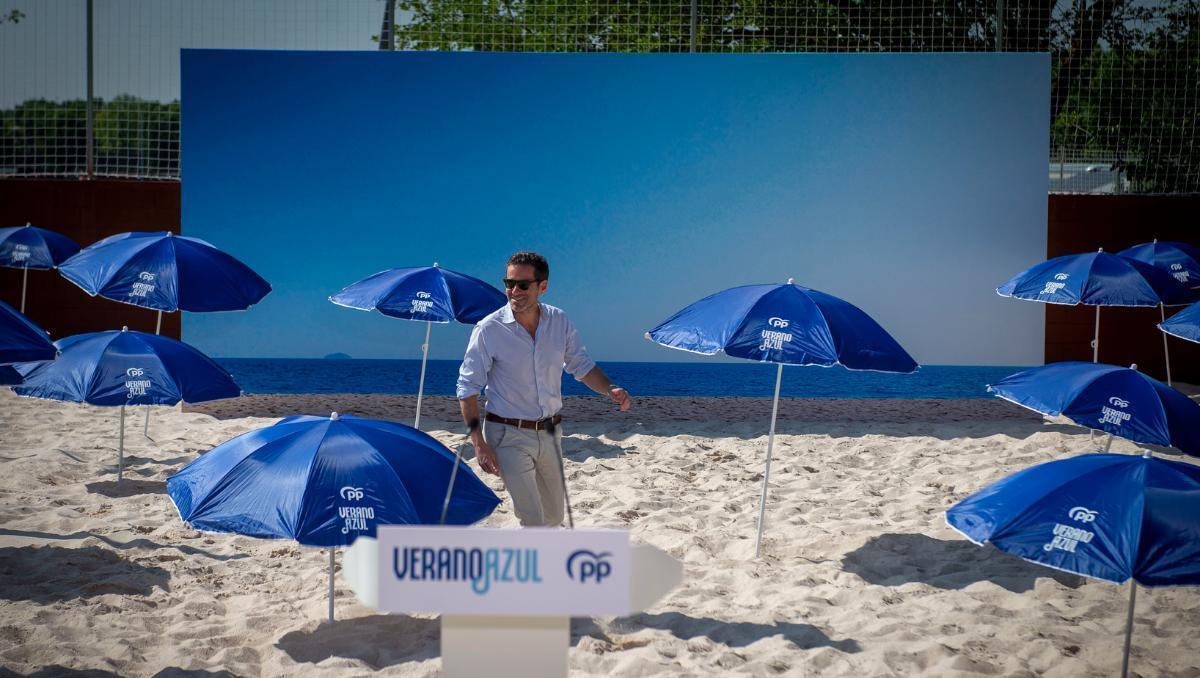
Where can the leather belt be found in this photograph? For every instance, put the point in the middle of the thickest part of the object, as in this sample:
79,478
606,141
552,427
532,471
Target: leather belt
548,423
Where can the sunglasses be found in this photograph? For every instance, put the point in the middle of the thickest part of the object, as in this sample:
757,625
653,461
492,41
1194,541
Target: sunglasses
509,283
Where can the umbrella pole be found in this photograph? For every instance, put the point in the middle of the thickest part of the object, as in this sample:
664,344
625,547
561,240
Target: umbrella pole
421,384
562,473
121,445
1096,338
762,504
1162,313
1129,628
332,552
1108,444
146,424
450,488
24,280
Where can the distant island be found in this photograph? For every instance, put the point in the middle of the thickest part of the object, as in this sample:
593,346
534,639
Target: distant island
337,356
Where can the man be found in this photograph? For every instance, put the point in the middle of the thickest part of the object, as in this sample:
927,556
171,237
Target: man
519,353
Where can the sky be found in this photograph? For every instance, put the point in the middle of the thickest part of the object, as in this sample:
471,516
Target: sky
136,43
910,185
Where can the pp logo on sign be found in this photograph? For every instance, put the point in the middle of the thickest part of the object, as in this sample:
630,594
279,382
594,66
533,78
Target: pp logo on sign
423,295
1119,402
778,322
134,372
590,566
351,493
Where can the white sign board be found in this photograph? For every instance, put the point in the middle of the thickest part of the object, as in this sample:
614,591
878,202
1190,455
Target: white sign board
527,572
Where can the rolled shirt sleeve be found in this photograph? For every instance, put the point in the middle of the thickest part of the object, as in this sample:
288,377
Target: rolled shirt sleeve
576,360
477,362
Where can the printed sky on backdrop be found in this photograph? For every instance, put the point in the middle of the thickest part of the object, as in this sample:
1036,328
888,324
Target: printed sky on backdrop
908,184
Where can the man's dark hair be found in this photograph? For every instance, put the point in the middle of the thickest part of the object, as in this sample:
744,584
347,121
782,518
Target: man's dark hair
541,267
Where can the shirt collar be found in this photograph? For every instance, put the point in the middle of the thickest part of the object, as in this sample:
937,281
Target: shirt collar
506,314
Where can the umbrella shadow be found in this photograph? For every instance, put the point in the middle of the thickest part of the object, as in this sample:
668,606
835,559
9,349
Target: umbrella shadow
896,559
56,671
379,641
127,487
735,634
580,450
49,574
135,544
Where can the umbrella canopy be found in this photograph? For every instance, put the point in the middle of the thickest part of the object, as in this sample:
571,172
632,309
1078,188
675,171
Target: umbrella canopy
20,339
429,293
128,368
325,481
165,272
31,247
1184,324
1179,259
1109,516
1118,400
786,324
9,375
1096,279
1113,517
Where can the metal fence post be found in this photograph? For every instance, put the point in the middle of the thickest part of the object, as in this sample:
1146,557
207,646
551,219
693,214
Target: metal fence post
90,142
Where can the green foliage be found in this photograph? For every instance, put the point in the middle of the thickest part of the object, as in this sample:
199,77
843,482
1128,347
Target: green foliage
133,137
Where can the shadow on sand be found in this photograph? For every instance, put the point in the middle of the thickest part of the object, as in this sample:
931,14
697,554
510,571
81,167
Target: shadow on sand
132,544
49,574
380,641
895,559
731,634
128,487
55,671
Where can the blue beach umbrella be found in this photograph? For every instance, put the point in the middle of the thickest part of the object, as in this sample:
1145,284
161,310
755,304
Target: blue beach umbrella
431,294
21,340
115,369
325,481
1184,324
787,325
1096,279
1120,401
1113,517
27,247
165,272
1179,260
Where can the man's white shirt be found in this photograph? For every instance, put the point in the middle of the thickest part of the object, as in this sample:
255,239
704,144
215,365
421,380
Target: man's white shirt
522,376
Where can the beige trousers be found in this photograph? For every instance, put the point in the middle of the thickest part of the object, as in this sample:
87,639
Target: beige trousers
529,465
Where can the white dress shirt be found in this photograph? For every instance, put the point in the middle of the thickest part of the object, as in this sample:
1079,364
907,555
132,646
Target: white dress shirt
522,375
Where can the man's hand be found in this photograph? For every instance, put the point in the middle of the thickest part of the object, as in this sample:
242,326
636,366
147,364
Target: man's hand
621,397
487,458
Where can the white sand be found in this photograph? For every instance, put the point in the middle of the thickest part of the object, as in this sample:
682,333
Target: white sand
860,574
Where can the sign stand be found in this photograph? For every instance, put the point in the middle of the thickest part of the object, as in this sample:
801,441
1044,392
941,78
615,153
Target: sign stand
526,629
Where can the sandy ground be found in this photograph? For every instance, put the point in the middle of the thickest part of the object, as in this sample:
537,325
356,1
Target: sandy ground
860,575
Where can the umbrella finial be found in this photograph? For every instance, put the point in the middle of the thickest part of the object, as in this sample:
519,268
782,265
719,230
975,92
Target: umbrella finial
28,224
791,281
124,328
1146,454
333,416
1133,366
435,265
1100,250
